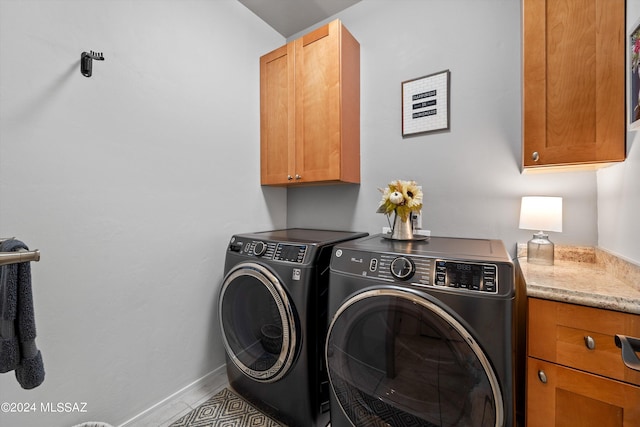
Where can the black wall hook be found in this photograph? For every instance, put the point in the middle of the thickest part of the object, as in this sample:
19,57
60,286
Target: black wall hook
86,62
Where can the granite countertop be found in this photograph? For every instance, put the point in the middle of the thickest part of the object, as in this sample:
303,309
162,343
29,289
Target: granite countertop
599,281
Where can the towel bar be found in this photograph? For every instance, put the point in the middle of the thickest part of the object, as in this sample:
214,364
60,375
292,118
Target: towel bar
19,256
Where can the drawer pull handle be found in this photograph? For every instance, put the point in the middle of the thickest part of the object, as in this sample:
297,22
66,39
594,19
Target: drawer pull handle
542,376
590,342
629,346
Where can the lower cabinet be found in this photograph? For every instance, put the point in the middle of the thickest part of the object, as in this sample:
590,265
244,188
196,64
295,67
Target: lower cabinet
575,372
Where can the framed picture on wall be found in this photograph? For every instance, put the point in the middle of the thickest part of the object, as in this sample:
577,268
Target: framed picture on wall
634,77
425,104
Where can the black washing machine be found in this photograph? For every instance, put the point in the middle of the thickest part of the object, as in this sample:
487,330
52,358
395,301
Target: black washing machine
273,314
423,333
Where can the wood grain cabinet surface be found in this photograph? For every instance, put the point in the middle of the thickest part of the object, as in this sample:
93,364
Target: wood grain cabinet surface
574,82
310,109
575,372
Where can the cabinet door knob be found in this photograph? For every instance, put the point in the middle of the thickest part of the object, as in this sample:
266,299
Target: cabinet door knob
542,376
298,176
289,177
535,156
590,342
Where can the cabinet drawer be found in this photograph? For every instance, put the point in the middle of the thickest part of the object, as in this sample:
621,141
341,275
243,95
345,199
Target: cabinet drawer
581,337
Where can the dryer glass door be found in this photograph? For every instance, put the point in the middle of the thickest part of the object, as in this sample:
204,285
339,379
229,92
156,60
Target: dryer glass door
397,357
258,322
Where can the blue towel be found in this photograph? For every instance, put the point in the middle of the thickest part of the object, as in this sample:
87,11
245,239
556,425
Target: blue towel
18,349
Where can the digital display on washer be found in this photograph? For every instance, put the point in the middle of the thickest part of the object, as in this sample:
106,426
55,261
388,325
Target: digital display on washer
476,277
291,253
464,275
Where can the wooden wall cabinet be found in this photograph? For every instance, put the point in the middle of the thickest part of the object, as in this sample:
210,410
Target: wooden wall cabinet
574,82
310,110
575,373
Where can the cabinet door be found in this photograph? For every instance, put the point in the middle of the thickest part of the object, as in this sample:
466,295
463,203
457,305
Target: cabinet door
318,109
571,398
574,82
328,106
277,122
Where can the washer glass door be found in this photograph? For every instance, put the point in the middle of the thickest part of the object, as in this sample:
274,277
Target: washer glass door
258,322
397,357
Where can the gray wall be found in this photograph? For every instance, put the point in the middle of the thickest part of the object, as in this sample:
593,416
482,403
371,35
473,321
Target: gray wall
471,174
130,183
619,189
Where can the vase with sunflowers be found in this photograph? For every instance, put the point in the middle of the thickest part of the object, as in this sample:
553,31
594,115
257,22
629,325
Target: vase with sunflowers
401,198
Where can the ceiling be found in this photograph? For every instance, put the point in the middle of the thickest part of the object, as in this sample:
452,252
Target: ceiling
289,17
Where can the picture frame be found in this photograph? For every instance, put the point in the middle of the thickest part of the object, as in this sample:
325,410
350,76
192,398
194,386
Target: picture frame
634,76
425,104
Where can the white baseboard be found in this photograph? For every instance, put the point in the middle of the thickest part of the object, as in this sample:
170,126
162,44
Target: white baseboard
213,380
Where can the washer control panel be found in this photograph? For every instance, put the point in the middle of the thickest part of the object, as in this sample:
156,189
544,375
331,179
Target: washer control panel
287,252
418,271
466,275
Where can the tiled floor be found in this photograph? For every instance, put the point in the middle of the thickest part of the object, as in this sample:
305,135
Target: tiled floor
173,409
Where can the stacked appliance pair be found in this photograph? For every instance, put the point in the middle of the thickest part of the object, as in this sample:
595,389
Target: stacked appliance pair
420,333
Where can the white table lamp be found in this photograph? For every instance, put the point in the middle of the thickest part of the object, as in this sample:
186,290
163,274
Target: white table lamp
544,214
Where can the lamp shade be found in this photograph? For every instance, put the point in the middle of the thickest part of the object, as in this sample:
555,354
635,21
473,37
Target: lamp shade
541,213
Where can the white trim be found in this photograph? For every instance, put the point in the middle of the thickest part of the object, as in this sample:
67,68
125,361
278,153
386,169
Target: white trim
214,380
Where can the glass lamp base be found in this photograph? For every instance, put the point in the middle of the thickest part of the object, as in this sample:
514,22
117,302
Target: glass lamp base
540,249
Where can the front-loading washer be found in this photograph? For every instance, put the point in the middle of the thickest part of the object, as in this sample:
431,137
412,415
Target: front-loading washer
273,315
423,333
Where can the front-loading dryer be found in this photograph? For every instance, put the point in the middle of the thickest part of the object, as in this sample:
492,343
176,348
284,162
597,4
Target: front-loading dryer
273,315
422,333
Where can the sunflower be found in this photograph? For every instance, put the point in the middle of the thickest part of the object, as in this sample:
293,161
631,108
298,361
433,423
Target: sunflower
401,197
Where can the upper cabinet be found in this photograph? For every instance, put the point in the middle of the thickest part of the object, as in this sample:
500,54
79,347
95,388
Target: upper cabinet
310,110
574,82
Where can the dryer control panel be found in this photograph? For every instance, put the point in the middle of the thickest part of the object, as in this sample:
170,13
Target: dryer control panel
288,252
